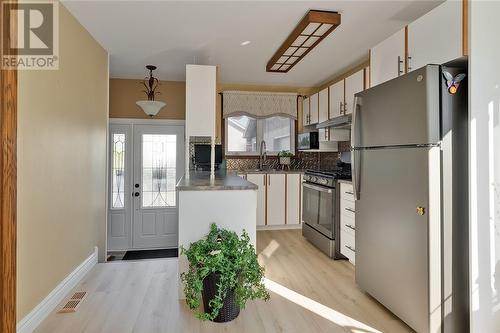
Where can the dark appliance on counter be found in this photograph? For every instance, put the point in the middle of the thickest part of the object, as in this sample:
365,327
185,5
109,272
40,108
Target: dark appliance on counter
320,203
307,141
202,156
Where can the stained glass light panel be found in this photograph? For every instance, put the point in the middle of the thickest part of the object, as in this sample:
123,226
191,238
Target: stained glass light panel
118,171
158,170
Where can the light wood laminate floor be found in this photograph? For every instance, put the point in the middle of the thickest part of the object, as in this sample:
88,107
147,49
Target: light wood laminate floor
309,293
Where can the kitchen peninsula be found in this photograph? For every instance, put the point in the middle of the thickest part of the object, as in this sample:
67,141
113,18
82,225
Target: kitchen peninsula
227,200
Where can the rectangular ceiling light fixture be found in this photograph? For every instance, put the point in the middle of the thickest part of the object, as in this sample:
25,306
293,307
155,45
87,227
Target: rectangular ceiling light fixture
311,30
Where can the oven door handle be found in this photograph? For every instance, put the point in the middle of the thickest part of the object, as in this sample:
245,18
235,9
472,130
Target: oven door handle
318,188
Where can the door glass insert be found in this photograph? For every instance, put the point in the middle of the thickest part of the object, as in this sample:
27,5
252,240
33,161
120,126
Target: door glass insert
118,171
158,170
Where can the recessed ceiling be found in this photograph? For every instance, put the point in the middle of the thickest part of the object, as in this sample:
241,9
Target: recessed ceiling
171,34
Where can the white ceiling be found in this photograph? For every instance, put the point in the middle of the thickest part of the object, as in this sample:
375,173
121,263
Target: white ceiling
171,34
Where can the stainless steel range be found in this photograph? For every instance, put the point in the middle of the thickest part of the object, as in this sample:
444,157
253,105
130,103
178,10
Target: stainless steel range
319,208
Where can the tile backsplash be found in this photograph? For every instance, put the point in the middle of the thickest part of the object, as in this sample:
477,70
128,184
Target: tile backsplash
303,160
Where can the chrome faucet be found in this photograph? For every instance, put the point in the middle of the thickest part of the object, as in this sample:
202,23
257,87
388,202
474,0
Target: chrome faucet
262,155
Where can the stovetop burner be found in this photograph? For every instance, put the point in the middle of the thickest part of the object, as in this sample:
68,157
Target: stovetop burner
337,174
327,177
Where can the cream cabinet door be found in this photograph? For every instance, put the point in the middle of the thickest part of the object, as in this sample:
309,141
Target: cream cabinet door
353,85
276,199
305,111
201,92
337,99
314,109
323,113
323,105
260,181
387,58
367,77
293,199
436,37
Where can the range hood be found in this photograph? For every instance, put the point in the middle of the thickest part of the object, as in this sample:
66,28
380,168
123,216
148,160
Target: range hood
343,122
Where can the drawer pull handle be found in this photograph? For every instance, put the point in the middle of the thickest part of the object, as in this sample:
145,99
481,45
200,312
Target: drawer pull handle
350,210
349,192
350,226
350,248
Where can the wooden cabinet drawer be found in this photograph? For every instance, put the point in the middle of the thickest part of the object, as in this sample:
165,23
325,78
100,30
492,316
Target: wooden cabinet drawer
346,191
347,208
348,224
347,246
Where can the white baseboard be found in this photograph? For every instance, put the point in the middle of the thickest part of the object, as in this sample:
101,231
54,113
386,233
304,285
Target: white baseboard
279,227
49,303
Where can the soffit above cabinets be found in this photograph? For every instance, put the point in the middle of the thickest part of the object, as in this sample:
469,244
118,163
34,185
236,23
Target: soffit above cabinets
311,30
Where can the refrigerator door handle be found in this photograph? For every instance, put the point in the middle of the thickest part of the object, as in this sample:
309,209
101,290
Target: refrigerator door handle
354,172
354,163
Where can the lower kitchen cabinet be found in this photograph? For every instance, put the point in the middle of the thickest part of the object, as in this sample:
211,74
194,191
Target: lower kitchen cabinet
276,199
259,180
293,198
347,222
279,198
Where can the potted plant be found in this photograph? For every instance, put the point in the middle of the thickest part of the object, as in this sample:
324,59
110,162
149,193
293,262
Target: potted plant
285,157
224,272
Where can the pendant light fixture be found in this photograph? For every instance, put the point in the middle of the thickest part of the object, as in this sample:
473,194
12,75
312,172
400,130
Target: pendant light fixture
150,106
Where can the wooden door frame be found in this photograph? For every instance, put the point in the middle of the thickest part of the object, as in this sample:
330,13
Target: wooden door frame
8,190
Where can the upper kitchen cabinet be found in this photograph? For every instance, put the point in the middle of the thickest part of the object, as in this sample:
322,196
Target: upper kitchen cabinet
305,111
436,37
387,58
201,92
314,109
353,85
323,105
337,99
323,113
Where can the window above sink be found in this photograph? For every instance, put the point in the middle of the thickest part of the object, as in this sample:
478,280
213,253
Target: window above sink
244,134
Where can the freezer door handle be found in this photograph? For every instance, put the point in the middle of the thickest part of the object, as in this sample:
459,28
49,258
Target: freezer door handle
355,153
354,130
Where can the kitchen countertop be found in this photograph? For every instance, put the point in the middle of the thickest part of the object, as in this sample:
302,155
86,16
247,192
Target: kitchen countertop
200,181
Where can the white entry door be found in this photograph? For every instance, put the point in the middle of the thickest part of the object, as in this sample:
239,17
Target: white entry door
146,163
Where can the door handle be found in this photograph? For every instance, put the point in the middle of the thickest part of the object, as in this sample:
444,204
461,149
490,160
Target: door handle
350,226
354,151
317,188
400,62
350,210
354,172
350,248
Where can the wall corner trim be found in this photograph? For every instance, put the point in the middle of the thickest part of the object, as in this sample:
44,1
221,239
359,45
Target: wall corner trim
29,323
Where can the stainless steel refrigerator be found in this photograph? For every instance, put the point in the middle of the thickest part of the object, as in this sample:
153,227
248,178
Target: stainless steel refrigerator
410,177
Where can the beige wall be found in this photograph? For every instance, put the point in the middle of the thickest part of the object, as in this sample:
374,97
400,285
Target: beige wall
123,93
62,126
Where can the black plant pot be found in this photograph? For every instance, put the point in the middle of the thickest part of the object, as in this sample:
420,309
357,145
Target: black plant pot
230,309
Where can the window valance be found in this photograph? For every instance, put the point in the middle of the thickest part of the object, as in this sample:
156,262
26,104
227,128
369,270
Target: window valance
259,104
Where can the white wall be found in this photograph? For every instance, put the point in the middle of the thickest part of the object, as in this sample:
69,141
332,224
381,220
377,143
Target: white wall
484,74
